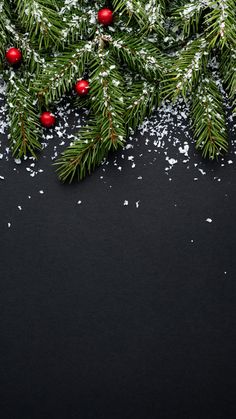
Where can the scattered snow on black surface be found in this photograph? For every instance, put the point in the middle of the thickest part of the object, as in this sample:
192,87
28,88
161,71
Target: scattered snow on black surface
164,140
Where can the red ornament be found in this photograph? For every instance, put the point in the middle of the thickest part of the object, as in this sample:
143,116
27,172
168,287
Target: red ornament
82,87
105,17
13,56
47,119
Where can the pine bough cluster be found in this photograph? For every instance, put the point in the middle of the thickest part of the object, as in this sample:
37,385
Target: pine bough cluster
203,66
154,50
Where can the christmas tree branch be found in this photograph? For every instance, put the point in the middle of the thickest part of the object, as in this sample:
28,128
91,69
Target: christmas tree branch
78,24
142,99
41,20
208,118
4,13
24,127
187,17
59,76
139,56
107,96
83,155
148,14
221,23
107,131
31,57
228,71
10,34
186,70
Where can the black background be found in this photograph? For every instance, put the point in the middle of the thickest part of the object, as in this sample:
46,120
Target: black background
111,311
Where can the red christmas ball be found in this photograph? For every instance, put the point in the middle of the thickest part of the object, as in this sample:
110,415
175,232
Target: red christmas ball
82,87
47,119
13,56
105,17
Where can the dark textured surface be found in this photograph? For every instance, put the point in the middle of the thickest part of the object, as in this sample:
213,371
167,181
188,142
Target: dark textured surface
112,312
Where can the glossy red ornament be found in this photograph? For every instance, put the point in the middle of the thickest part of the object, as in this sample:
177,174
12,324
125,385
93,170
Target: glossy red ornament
82,87
13,56
105,17
47,119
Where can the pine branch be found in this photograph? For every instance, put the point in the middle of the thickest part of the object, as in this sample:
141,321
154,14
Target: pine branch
60,74
83,155
4,21
220,23
78,24
107,96
31,57
208,119
80,102
107,132
142,99
187,17
186,70
228,71
9,34
149,15
41,20
140,56
24,126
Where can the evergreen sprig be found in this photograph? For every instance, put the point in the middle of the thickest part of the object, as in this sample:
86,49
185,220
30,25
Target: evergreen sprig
84,154
140,56
228,71
209,118
77,22
142,99
187,68
188,16
221,23
24,125
4,11
41,20
107,89
149,15
209,32
58,76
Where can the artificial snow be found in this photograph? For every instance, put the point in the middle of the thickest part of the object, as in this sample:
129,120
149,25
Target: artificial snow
163,140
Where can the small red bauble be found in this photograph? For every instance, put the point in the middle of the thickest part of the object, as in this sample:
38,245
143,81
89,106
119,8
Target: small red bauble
47,119
13,56
105,17
82,87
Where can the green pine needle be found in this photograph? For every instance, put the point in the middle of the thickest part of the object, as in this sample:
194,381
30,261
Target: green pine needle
60,74
208,118
84,154
24,127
